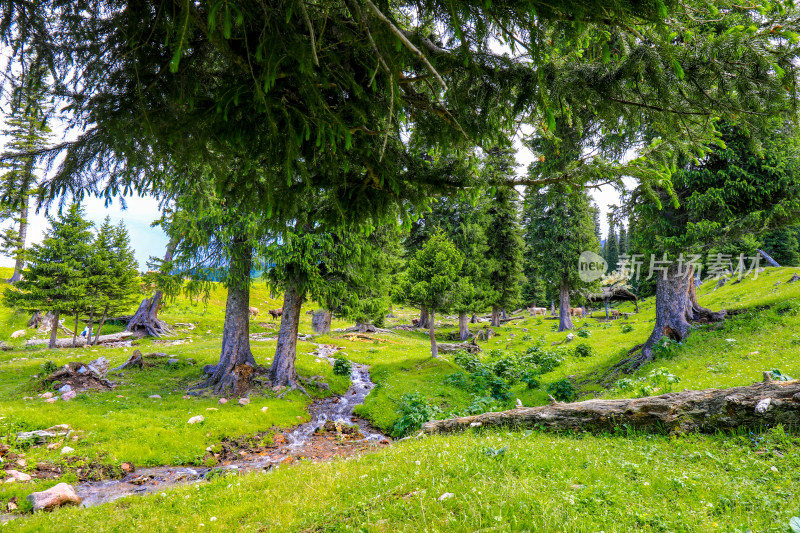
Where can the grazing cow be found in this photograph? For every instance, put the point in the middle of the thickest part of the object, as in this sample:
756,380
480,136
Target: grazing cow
537,311
614,314
253,312
275,313
576,311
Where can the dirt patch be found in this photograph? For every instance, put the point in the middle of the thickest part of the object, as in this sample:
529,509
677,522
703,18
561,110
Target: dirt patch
79,376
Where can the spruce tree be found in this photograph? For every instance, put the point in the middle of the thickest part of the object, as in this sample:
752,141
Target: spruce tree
611,247
432,279
54,278
503,237
26,131
623,240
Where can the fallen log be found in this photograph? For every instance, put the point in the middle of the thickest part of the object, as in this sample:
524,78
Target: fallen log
447,347
763,404
81,341
509,319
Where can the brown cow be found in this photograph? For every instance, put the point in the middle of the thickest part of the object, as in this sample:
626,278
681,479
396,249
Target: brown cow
275,313
614,314
537,311
253,312
576,311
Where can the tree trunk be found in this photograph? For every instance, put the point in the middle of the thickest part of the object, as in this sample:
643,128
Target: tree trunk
91,326
102,323
758,406
236,363
606,302
75,333
564,316
474,319
54,331
146,317
769,260
321,322
676,308
282,371
432,334
495,316
423,317
463,328
19,261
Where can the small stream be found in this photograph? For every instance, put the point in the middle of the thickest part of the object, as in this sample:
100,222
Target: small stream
298,442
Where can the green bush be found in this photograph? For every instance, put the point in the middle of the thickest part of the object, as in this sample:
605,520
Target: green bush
531,379
468,361
583,350
584,333
562,390
342,367
413,411
627,328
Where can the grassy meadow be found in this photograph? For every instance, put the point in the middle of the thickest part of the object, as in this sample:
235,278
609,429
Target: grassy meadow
477,481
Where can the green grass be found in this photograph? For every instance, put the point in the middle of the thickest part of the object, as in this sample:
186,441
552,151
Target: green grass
541,482
627,483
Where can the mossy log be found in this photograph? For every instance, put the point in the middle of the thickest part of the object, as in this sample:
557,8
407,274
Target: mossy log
760,405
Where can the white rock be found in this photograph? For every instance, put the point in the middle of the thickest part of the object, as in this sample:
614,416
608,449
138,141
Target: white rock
155,396
65,388
196,419
67,396
66,449
15,475
446,496
244,401
763,405
222,401
264,409
46,395
17,334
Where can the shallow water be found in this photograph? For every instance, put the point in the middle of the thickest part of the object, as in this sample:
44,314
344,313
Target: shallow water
300,441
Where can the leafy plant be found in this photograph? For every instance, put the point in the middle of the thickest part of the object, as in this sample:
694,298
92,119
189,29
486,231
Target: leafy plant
413,411
49,367
342,367
562,390
666,348
531,379
663,379
468,361
585,333
627,328
778,376
583,350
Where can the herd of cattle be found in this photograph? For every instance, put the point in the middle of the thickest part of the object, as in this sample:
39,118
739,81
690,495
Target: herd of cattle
573,311
274,313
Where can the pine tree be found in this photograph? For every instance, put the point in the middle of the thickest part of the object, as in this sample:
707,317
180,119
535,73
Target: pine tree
783,246
503,237
623,240
27,131
55,277
598,230
432,279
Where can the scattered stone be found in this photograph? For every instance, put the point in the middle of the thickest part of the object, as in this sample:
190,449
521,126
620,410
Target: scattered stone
22,462
12,504
53,497
222,401
264,409
37,436
99,366
127,467
51,400
244,401
445,496
187,397
26,398
279,439
155,396
46,395
196,419
54,445
65,388
17,334
13,476
66,449
173,361
570,337
795,277
67,396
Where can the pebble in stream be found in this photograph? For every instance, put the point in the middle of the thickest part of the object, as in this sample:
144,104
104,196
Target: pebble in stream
299,443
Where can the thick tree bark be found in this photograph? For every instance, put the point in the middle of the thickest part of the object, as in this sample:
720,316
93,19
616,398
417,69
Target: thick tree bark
282,371
423,317
474,319
463,328
564,316
495,316
236,363
91,326
321,321
758,406
432,333
19,261
54,331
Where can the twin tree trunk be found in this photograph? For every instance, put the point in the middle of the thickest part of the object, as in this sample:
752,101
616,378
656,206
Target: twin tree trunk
283,372
564,316
676,308
54,331
423,317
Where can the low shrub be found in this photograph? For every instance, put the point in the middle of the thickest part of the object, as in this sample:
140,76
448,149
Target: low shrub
413,411
562,390
342,367
583,350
